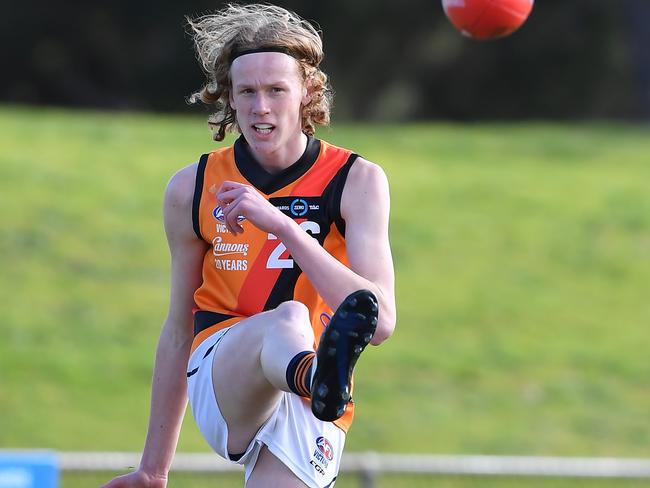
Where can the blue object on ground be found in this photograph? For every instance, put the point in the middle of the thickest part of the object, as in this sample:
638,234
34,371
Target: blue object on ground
25,469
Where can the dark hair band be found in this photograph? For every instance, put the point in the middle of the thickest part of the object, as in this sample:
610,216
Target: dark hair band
270,49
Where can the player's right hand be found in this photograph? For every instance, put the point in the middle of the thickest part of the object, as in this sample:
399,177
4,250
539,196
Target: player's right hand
238,200
137,479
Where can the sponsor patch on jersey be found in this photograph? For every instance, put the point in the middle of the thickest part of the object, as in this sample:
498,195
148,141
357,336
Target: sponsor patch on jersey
217,213
225,254
325,447
323,454
221,248
296,207
231,264
222,229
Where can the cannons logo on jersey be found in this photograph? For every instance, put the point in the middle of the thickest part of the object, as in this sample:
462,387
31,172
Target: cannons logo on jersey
229,256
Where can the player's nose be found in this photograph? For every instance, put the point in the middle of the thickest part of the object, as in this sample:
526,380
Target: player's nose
260,104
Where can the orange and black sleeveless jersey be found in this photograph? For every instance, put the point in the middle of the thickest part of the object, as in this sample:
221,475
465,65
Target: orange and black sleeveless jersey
252,272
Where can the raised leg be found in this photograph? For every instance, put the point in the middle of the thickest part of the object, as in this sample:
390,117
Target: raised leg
249,368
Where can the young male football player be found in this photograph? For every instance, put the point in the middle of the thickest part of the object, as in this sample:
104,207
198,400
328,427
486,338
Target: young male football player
281,266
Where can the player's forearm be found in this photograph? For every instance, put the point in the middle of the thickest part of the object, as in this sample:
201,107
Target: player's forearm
168,400
332,279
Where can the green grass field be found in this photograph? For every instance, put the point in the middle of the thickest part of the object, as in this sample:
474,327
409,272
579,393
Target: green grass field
522,254
75,480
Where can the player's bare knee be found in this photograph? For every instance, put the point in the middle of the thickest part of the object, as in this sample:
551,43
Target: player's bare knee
292,311
293,315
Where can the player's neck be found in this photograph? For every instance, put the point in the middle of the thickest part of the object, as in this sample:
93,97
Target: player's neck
279,159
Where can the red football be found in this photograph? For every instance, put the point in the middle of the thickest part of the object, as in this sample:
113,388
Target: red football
487,19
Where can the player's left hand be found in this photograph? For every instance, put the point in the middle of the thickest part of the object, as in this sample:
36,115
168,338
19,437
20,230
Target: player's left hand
137,479
238,200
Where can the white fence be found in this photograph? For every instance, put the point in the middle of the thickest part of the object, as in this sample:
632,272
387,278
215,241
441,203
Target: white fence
369,466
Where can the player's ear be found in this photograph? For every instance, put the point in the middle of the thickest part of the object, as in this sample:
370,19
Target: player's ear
306,93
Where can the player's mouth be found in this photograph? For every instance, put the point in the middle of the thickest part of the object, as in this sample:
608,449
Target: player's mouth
263,129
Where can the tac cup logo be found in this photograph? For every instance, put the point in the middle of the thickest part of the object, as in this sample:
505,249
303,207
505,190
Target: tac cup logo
325,447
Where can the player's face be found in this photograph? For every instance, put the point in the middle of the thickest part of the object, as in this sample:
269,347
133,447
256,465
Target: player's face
267,95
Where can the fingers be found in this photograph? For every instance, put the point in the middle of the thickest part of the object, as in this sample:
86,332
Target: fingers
230,197
229,190
226,197
231,185
231,213
239,201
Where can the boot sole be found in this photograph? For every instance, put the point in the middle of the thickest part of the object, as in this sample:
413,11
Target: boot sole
344,339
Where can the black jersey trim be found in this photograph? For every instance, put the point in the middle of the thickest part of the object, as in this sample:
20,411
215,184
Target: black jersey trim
198,190
204,319
268,182
334,191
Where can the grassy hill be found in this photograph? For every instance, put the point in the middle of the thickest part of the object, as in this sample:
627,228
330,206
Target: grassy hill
522,255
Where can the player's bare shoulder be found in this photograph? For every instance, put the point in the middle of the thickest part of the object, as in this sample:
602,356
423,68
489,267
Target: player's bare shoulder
364,170
180,188
366,182
177,207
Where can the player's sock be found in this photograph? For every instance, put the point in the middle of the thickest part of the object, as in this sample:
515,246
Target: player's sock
299,373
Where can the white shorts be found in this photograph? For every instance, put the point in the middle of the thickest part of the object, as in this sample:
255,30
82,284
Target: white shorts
309,447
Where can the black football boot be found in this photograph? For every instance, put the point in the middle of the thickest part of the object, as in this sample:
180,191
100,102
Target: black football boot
345,337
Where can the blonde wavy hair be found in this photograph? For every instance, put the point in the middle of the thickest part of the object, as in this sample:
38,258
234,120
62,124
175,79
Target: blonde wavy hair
220,37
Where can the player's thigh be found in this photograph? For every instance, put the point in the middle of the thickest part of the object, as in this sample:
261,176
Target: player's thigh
270,472
245,396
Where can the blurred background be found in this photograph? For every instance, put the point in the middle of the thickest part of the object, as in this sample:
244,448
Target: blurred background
573,60
520,228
